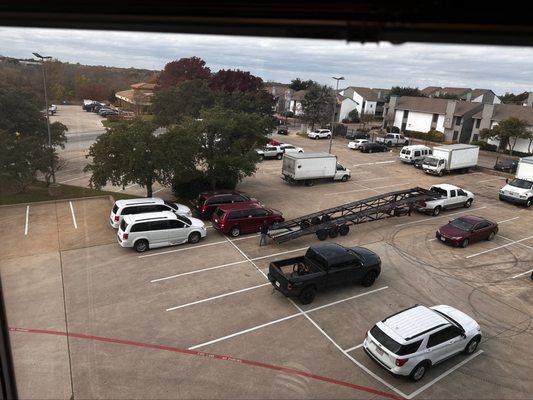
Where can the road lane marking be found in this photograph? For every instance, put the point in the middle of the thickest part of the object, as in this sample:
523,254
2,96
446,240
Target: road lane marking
507,220
73,216
217,297
27,224
257,327
440,216
374,163
523,273
499,247
158,190
354,348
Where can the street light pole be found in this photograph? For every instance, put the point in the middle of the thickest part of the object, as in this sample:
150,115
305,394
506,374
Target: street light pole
47,115
334,108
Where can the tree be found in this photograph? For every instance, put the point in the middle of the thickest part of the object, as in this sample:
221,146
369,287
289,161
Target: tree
298,84
127,153
507,132
510,98
448,96
236,81
353,115
184,69
405,91
171,105
317,105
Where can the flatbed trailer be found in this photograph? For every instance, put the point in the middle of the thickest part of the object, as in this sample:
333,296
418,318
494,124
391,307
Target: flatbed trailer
337,220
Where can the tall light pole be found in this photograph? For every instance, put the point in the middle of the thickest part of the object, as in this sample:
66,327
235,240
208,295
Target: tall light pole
47,115
334,108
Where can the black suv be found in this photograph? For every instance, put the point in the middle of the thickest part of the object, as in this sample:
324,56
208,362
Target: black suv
506,166
357,135
283,130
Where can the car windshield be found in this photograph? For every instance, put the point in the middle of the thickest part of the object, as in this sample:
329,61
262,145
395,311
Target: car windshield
461,224
390,344
171,205
184,219
432,161
405,151
521,183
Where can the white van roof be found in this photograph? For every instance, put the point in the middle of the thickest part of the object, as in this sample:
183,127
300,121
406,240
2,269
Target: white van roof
153,216
140,201
416,147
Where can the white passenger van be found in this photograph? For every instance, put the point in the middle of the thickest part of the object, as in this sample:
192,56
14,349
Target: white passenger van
144,205
410,154
158,229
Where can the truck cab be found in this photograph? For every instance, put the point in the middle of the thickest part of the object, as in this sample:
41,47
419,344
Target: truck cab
520,189
434,165
447,197
341,173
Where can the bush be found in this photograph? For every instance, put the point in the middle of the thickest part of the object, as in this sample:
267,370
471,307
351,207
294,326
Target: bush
345,121
432,136
393,129
198,184
485,146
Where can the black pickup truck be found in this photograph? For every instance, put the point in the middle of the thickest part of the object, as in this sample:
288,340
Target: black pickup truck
323,266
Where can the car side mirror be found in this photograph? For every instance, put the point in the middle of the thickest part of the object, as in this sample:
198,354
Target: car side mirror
506,180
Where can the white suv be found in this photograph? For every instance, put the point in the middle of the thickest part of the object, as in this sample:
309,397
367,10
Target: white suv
159,229
319,134
144,205
290,149
409,342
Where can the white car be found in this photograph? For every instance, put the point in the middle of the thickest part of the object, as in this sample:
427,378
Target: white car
410,342
289,148
270,151
159,229
448,196
356,144
144,205
319,134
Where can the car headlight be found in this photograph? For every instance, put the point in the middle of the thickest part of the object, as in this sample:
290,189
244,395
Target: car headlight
456,238
523,196
501,191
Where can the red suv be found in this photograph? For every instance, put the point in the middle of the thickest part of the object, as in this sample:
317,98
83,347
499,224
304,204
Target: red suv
234,219
208,202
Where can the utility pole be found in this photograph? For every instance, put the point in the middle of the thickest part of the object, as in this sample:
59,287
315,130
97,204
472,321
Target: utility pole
334,108
47,115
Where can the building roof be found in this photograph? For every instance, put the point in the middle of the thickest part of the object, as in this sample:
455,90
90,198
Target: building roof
430,89
433,105
463,107
456,91
299,95
366,93
504,111
480,92
143,86
135,97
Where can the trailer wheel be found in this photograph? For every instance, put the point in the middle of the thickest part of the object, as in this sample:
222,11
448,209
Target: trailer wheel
322,234
343,230
315,220
333,232
305,224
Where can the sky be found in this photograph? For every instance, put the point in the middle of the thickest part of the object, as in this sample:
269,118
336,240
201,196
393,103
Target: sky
383,65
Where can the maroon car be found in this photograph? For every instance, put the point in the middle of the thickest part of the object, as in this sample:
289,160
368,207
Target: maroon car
208,202
234,219
465,230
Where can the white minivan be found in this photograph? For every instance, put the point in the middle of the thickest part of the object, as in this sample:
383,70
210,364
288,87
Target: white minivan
412,153
142,206
159,229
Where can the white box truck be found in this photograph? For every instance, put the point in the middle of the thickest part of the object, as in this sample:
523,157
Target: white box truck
520,189
452,157
310,167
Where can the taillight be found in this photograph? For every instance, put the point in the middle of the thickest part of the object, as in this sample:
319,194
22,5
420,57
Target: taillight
289,286
125,236
204,208
423,204
400,362
117,218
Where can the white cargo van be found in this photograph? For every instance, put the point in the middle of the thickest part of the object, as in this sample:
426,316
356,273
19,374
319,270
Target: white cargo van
309,167
452,157
410,154
520,189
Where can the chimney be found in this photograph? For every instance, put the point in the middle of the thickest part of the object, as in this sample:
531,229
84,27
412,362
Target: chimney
448,117
486,116
530,99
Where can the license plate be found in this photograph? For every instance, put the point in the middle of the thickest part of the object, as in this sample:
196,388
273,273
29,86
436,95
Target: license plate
443,239
276,283
379,351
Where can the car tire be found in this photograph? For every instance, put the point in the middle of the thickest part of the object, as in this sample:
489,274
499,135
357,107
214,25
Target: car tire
333,232
328,137
491,236
369,279
471,347
279,156
468,203
322,234
344,178
370,150
309,183
465,243
307,295
343,230
419,371
316,138
529,202
436,211
141,246
235,231
262,157
440,173
194,237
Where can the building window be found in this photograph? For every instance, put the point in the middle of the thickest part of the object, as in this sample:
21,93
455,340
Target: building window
478,122
435,118
455,135
458,121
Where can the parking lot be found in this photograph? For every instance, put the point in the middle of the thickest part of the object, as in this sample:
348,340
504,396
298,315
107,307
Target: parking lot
202,321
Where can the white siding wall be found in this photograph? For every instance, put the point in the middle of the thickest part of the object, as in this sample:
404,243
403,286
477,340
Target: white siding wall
417,121
398,116
440,123
359,100
370,107
346,106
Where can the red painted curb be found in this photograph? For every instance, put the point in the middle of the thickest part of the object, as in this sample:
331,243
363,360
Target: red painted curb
289,371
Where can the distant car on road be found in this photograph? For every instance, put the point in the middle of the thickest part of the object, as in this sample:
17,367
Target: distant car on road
319,134
283,130
373,147
357,144
52,109
506,166
462,231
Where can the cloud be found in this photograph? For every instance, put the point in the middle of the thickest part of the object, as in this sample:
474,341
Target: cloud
376,65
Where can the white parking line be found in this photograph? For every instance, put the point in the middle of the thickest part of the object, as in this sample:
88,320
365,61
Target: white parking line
285,318
185,249
367,188
441,216
353,348
374,163
507,220
217,297
443,375
499,247
73,216
511,240
489,180
158,190
129,186
74,179
27,224
522,274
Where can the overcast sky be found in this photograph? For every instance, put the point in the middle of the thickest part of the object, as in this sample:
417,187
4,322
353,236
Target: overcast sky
374,65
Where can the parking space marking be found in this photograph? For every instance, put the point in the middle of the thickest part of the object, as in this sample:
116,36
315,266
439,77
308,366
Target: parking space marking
217,297
443,375
507,220
374,163
489,180
367,188
441,216
499,247
354,348
257,327
73,216
519,244
74,179
27,224
186,248
158,190
522,274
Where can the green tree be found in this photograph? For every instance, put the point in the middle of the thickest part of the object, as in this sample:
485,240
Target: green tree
353,115
405,91
127,153
511,98
317,105
298,84
507,132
